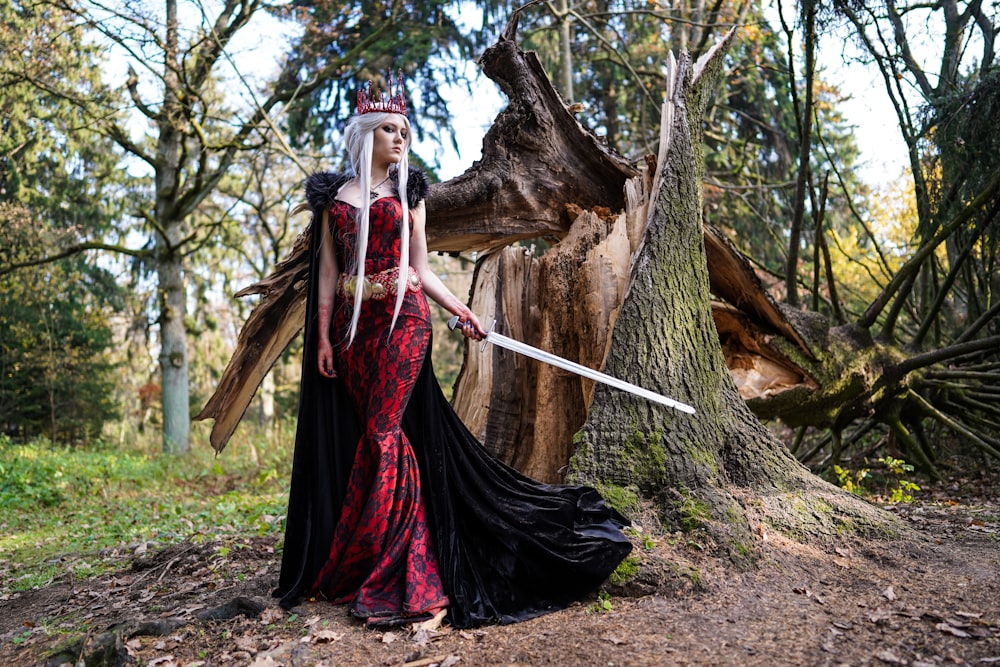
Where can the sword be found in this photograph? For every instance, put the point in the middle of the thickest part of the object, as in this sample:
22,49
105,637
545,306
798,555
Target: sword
573,367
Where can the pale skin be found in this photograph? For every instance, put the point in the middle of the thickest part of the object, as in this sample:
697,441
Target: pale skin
390,141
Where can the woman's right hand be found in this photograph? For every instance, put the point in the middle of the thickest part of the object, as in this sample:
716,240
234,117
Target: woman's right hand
324,359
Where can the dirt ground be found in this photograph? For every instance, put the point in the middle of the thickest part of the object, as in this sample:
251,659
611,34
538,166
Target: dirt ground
932,600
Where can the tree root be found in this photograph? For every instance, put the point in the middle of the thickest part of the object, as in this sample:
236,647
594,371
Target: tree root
107,649
819,512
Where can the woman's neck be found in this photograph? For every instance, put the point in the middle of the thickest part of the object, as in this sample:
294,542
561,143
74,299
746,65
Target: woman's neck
379,173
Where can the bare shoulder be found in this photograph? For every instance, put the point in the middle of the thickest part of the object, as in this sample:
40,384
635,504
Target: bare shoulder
350,193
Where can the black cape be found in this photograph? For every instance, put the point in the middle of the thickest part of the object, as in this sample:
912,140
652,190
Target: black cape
508,548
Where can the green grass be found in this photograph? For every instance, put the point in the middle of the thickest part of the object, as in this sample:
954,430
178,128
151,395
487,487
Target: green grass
77,512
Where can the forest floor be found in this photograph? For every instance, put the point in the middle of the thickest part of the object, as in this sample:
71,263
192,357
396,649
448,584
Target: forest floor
933,599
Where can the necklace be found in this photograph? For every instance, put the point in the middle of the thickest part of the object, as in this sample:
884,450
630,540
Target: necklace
373,192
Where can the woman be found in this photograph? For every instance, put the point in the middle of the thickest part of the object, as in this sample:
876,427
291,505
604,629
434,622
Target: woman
394,507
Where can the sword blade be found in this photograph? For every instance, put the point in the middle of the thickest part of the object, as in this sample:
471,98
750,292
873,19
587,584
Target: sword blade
514,345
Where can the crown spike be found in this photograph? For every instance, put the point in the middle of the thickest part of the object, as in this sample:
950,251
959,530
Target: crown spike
372,101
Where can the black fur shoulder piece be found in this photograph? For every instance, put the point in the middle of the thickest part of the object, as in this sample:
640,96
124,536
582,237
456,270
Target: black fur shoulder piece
416,186
322,188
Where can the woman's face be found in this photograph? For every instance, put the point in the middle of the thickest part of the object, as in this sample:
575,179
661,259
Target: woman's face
390,141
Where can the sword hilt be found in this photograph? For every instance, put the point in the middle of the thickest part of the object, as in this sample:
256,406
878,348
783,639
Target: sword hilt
455,323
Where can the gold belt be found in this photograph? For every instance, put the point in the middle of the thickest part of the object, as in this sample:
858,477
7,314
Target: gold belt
378,285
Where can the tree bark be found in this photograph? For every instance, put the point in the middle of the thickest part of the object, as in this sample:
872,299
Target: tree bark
804,113
495,390
564,302
169,260
173,350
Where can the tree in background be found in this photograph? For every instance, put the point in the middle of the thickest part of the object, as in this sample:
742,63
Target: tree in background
353,41
940,90
256,200
59,185
56,342
962,163
606,56
931,328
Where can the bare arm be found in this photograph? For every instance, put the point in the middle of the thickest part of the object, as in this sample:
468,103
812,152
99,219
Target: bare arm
433,286
329,274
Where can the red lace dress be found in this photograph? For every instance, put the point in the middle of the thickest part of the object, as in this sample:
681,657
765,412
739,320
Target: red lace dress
362,495
382,559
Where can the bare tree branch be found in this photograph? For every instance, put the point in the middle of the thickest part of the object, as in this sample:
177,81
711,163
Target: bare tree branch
910,268
899,34
943,354
74,249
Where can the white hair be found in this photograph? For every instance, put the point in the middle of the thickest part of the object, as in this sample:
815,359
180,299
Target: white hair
359,139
